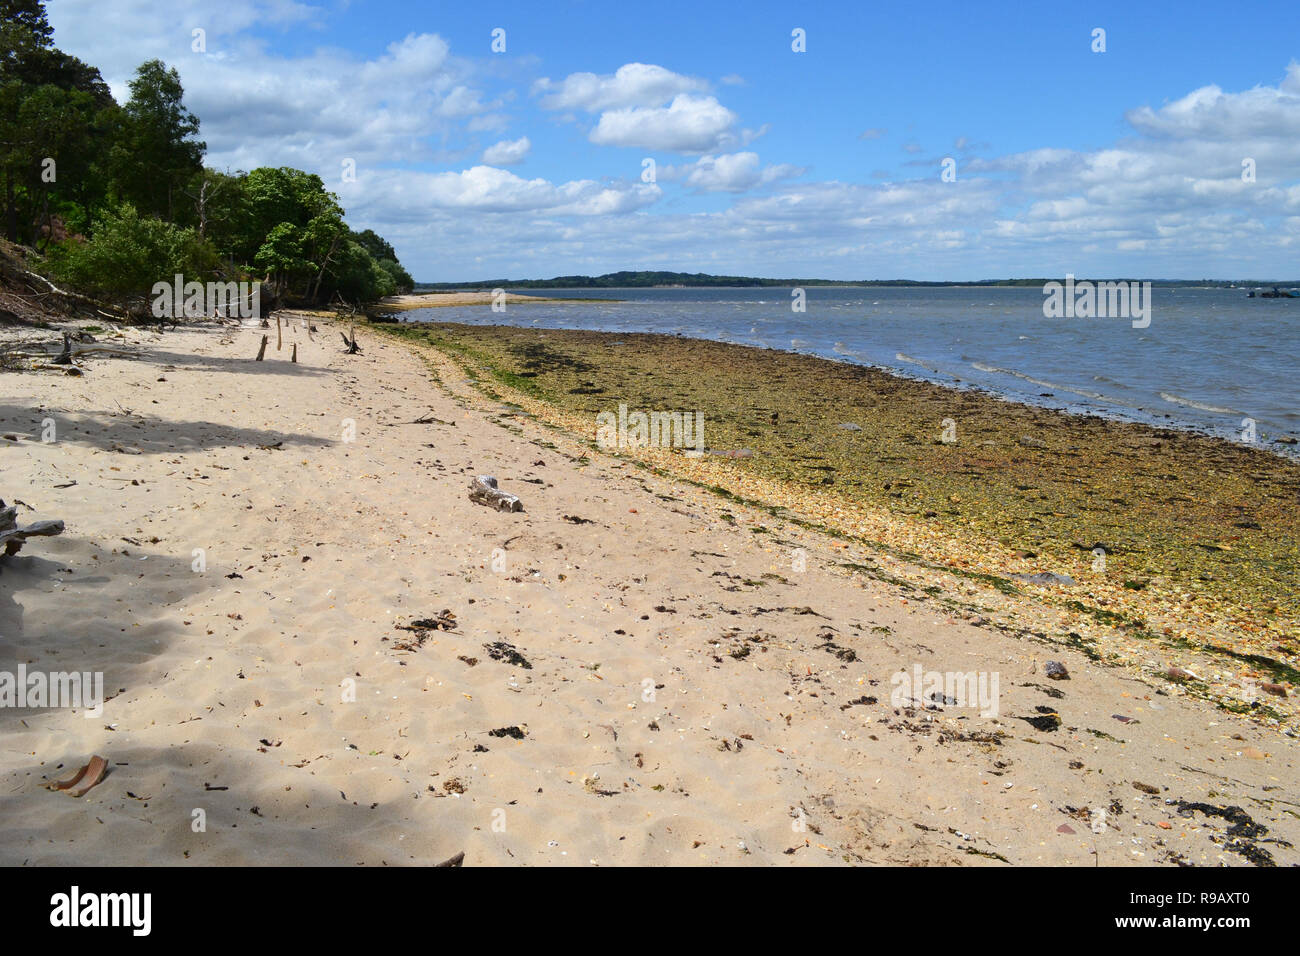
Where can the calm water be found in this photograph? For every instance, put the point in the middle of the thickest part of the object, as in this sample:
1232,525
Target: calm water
1210,357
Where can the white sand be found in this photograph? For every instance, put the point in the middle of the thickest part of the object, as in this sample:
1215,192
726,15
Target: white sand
434,300
316,549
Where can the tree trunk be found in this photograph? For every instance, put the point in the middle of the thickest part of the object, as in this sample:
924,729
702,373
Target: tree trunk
11,208
41,220
321,275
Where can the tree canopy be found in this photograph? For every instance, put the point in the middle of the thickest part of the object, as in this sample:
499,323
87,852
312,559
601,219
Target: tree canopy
118,198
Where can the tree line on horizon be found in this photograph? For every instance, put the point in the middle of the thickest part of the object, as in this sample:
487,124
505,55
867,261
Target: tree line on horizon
115,197
651,279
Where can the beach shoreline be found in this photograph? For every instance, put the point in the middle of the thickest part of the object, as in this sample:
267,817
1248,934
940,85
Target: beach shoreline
976,342
1018,490
708,680
440,300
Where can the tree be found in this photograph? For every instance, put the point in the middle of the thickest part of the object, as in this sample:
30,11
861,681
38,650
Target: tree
54,146
279,195
24,33
155,154
321,241
281,258
132,178
386,258
357,277
128,253
49,103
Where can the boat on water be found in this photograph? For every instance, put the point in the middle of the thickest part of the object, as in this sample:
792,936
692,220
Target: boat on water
1276,293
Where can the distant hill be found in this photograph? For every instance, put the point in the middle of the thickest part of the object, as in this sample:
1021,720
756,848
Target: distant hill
643,280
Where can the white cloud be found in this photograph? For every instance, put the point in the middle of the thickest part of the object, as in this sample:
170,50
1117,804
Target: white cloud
407,195
633,84
1259,113
1165,199
507,152
731,172
689,124
647,107
258,107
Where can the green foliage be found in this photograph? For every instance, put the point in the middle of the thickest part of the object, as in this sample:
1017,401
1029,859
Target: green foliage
386,258
132,179
129,253
358,278
155,153
402,281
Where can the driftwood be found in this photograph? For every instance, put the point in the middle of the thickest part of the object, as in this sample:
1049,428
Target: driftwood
86,302
104,350
353,348
294,356
13,537
70,352
261,353
483,490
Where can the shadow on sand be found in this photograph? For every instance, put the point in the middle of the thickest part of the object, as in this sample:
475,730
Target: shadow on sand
61,610
130,432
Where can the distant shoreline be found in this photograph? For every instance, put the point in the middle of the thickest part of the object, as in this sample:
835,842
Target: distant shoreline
679,280
1280,439
451,299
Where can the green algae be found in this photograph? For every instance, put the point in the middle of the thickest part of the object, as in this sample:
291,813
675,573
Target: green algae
1211,519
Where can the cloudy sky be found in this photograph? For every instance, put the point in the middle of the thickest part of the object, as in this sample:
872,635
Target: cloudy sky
519,140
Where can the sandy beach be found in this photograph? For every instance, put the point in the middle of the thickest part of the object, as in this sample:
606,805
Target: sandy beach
435,300
625,672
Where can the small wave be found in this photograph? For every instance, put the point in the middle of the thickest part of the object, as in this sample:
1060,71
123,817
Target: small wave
1188,403
1054,386
913,361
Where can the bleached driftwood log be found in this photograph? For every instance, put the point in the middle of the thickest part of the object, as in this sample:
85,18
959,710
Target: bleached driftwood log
484,491
13,537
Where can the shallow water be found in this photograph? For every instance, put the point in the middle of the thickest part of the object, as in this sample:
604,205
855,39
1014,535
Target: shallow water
1209,358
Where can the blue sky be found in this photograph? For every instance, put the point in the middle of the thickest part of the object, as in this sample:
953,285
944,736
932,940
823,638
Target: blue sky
825,163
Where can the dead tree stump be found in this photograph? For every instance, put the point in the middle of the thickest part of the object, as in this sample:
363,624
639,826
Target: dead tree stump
64,357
